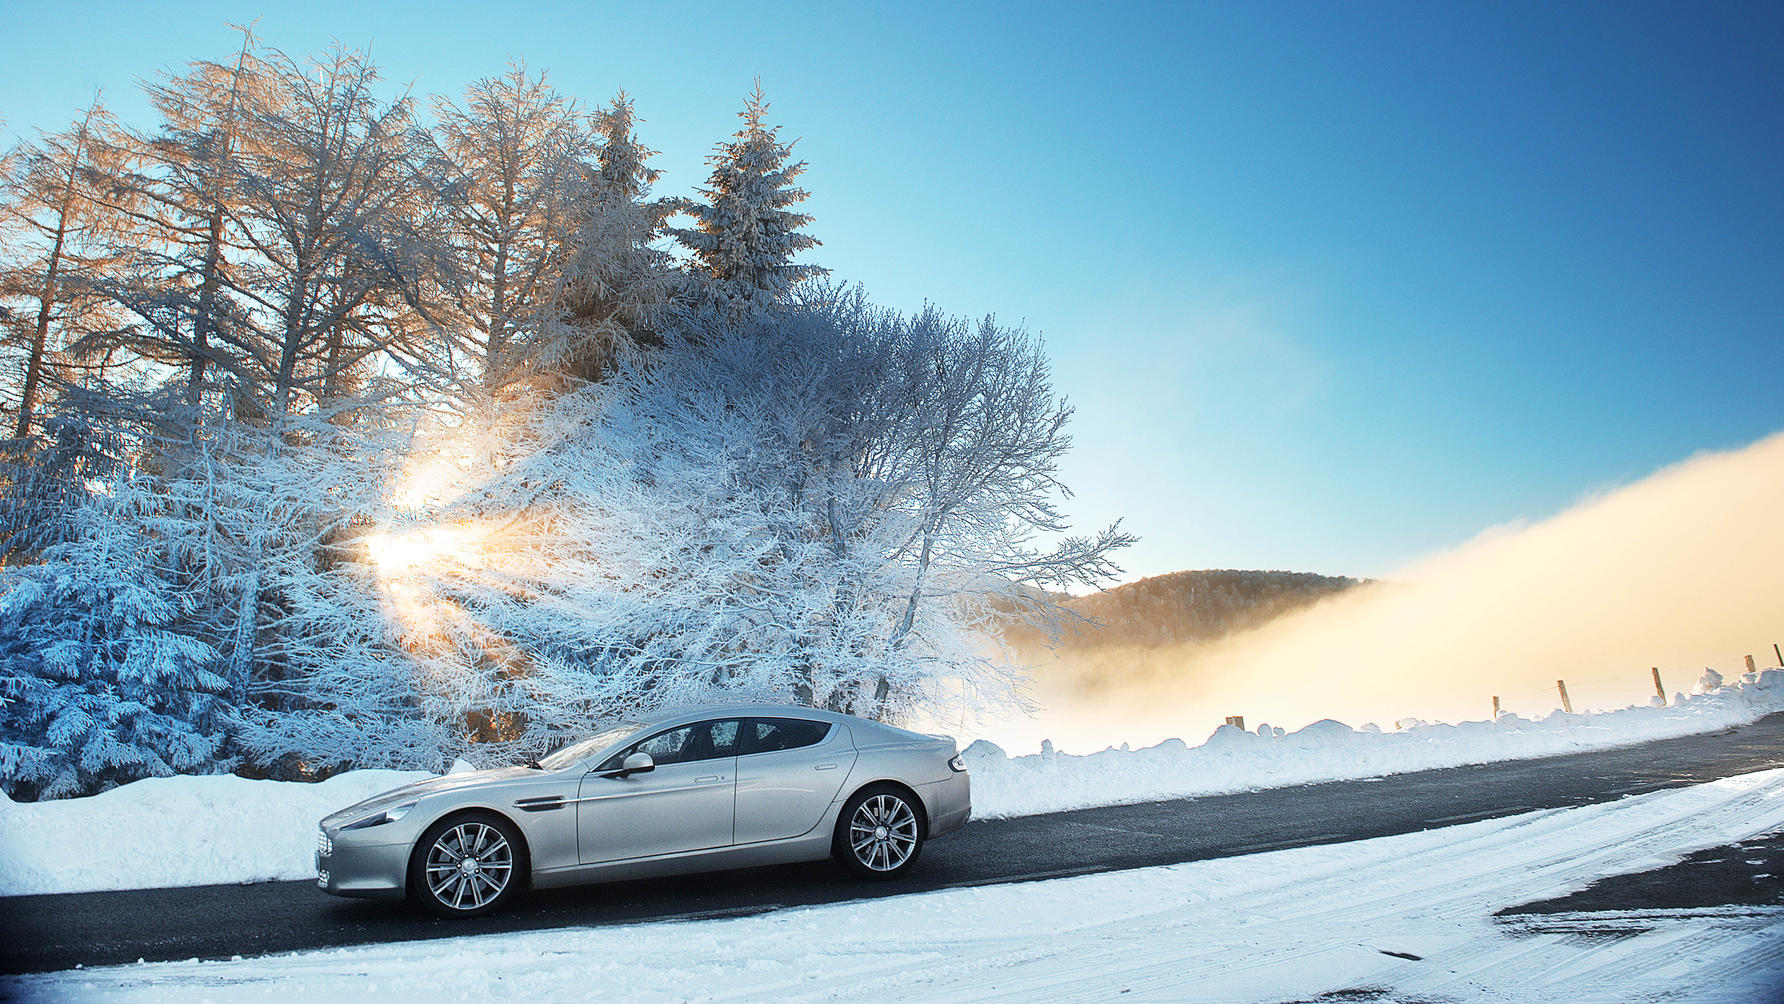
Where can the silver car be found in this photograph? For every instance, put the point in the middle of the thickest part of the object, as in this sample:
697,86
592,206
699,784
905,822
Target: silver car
696,790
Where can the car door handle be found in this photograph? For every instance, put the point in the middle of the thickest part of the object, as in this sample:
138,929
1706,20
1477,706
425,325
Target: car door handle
825,766
709,777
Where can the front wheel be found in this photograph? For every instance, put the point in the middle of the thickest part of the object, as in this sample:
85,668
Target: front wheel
879,833
466,866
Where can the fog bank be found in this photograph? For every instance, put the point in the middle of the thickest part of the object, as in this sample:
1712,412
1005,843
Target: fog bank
1681,570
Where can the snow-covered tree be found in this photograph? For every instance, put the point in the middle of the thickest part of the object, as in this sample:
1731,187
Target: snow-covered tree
280,238
332,684
367,406
262,523
834,506
46,483
98,684
333,244
617,284
624,160
275,236
746,234
816,507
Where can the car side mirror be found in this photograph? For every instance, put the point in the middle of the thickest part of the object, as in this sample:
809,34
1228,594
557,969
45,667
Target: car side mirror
637,763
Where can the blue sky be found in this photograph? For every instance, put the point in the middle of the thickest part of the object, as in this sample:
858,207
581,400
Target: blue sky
1332,285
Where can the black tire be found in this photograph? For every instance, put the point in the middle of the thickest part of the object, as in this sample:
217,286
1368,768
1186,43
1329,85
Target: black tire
879,833
442,881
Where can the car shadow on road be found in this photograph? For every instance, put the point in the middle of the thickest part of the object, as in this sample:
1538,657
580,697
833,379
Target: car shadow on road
738,893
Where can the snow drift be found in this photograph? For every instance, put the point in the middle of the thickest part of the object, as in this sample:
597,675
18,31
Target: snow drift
169,831
218,829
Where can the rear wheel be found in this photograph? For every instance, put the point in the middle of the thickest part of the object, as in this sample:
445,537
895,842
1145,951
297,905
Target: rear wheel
879,833
467,866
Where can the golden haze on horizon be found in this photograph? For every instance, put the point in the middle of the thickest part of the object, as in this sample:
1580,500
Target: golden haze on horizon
1683,570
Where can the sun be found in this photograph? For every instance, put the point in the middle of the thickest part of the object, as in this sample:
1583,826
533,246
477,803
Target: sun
397,553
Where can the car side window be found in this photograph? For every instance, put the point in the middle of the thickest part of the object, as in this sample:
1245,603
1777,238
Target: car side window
771,735
699,741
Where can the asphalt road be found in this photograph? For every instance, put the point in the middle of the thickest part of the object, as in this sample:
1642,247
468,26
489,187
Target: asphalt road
57,932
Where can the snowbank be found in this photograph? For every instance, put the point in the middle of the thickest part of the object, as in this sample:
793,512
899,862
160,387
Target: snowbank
204,830
1235,760
168,831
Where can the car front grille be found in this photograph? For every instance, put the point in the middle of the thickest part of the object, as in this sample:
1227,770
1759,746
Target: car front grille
322,879
324,846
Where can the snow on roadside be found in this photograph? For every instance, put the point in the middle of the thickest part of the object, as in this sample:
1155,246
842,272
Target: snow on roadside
1407,917
170,831
218,829
1235,760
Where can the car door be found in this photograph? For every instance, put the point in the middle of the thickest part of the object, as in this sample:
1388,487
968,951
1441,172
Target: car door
684,804
789,770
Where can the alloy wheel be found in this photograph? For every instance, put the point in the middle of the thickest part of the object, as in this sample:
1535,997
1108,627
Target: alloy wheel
469,865
883,833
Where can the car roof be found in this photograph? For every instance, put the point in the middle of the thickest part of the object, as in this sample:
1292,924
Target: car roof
669,718
697,712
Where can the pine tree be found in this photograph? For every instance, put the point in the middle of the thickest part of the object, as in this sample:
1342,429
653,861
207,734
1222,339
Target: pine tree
97,687
48,481
625,162
616,284
745,234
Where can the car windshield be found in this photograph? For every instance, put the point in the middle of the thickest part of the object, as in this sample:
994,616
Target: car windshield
564,756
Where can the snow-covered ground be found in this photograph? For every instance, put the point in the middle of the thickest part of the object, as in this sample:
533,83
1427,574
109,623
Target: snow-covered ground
1396,918
202,830
169,831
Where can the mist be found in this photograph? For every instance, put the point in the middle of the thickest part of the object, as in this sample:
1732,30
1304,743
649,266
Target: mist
1682,570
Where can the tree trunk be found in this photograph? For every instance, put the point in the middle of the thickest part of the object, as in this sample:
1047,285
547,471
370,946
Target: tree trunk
213,248
47,300
207,301
34,367
883,689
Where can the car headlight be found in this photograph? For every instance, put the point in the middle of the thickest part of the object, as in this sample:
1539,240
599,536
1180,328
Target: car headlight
381,817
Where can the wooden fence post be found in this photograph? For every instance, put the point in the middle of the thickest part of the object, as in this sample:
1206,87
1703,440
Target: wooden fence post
1237,721
1658,689
1495,707
1750,667
1566,705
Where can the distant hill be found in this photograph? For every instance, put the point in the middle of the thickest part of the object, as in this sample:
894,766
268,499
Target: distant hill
1186,607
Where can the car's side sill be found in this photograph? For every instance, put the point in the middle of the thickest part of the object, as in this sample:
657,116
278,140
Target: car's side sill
805,847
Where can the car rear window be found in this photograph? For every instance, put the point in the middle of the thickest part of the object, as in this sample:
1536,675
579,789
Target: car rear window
769,735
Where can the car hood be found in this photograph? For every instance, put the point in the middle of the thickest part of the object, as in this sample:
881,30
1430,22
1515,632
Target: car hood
430,786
